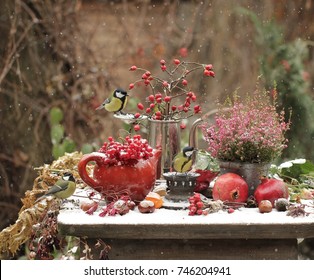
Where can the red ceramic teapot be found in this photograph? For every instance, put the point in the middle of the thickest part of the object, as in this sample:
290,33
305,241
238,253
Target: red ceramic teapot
113,181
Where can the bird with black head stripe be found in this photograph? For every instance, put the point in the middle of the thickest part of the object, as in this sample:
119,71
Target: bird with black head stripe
63,188
183,161
116,102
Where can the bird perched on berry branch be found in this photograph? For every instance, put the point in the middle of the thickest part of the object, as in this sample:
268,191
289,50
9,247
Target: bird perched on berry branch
116,102
183,160
63,188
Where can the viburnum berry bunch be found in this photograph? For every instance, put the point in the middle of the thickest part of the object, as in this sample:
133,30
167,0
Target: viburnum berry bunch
201,205
128,152
170,96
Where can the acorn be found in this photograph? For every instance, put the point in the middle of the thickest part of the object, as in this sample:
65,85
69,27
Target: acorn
265,206
282,204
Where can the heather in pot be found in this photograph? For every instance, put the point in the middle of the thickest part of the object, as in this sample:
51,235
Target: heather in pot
248,129
248,134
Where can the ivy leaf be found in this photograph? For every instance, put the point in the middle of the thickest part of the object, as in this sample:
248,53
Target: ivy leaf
296,168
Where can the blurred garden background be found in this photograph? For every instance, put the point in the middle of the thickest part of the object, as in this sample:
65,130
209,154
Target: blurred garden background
60,59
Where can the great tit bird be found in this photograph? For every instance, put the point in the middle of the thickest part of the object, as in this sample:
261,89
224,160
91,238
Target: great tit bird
63,188
116,102
183,161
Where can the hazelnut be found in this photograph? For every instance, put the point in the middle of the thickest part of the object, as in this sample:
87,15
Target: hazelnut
265,206
87,205
146,206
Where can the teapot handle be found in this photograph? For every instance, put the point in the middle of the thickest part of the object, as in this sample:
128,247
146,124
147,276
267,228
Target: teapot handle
97,157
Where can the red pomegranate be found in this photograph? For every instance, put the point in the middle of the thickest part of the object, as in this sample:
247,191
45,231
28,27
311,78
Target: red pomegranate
271,189
230,187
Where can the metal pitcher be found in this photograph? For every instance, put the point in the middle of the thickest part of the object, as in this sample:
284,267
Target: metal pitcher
164,135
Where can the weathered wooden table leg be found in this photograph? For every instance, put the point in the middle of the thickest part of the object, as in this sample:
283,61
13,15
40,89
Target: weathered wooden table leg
190,249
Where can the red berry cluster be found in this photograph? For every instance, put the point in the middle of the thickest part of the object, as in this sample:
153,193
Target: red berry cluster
128,153
196,205
164,92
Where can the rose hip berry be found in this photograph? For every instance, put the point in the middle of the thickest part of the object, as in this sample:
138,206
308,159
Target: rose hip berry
140,106
176,61
133,68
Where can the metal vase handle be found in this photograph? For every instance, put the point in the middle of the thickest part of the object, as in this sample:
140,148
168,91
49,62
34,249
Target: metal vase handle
193,141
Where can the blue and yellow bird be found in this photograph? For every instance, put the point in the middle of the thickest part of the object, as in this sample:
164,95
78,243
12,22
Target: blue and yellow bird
116,102
183,161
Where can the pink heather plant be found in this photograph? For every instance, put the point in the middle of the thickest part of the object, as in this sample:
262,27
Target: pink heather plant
248,131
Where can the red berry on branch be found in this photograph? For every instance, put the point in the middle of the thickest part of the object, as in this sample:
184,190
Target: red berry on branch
140,106
176,61
197,109
148,110
133,68
207,73
199,211
159,100
158,95
162,62
182,125
173,107
183,52
212,73
165,83
131,86
184,82
137,127
209,67
151,98
167,98
163,67
137,115
199,204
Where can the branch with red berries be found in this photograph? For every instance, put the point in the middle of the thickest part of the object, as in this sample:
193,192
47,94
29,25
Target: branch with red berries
166,100
201,205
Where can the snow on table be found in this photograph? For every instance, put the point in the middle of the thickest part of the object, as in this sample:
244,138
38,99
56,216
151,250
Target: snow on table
169,223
